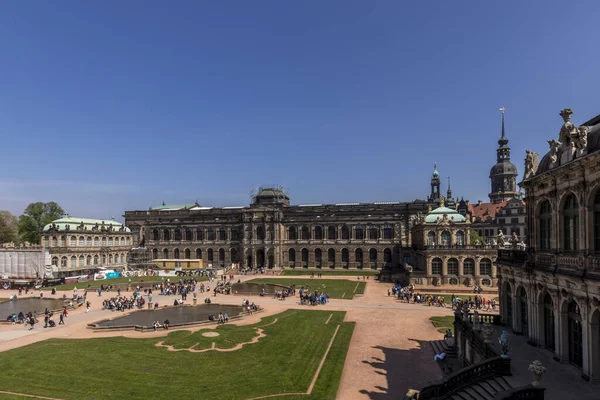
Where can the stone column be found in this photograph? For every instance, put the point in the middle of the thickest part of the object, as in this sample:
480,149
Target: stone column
562,337
444,266
461,266
594,350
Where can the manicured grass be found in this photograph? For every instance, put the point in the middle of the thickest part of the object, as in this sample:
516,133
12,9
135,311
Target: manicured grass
443,323
119,281
330,272
285,361
335,288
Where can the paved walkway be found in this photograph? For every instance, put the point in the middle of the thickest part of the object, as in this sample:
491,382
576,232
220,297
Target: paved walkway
384,360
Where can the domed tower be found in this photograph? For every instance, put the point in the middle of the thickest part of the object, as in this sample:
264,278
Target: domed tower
503,175
271,196
435,185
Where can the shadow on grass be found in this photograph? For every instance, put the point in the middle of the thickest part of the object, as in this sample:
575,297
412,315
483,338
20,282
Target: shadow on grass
404,370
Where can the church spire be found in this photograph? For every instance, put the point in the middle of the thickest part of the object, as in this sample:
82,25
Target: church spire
435,184
503,174
449,191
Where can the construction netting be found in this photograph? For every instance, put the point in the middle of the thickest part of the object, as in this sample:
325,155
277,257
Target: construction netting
25,264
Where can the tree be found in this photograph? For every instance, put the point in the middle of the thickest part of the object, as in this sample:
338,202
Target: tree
35,217
8,228
475,238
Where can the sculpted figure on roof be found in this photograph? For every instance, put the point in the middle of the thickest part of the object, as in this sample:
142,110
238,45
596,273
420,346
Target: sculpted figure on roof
531,163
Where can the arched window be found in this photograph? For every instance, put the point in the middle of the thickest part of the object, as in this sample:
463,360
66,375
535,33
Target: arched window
123,241
331,255
110,241
199,254
304,233
88,241
96,242
177,235
453,266
103,242
549,338
88,260
485,267
54,241
318,233
63,242
388,232
345,256
166,254
95,260
469,267
372,255
431,238
222,235
345,232
110,258
210,255
73,262
373,232
63,262
331,233
235,234
575,336
199,234
212,234
55,261
359,233
122,258
73,241
436,266
81,261
597,222
571,223
176,254
155,235
46,241
103,260
260,233
188,254
81,241
166,234
545,219
305,256
318,256
292,233
188,234
387,256
460,238
445,238
234,256
221,257
358,256
154,254
292,255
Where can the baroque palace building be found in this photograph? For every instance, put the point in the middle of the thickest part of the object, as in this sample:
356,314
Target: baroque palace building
550,292
80,245
272,233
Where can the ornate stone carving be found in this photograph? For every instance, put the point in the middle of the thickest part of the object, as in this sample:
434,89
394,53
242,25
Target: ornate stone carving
531,164
501,240
554,146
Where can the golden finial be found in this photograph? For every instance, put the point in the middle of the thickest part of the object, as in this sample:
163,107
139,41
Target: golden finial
441,201
502,109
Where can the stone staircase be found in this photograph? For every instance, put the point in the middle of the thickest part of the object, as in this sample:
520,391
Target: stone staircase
483,390
450,363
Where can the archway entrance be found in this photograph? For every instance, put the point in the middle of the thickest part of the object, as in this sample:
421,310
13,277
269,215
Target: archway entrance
260,258
507,304
523,311
549,323
249,261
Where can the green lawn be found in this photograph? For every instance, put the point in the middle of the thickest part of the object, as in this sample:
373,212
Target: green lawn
443,323
119,281
285,361
330,272
335,288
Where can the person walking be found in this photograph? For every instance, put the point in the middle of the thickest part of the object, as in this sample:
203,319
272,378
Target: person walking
62,319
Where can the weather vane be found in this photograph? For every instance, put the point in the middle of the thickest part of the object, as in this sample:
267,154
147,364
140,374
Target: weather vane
502,109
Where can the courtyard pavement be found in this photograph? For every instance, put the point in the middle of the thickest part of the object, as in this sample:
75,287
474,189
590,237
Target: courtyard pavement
389,351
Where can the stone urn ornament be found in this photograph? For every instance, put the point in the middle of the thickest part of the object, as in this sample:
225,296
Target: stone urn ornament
504,343
537,369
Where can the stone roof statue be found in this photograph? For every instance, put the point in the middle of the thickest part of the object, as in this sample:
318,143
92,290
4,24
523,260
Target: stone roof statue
554,146
531,163
501,241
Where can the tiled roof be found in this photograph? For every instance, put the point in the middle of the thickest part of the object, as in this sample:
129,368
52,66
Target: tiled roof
482,210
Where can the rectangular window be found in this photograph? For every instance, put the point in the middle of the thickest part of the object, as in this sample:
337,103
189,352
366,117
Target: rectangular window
501,221
514,220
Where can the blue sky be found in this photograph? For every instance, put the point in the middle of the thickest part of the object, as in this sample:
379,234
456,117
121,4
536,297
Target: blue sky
109,106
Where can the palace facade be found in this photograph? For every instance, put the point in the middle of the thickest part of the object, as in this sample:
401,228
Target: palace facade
550,292
442,252
80,245
272,233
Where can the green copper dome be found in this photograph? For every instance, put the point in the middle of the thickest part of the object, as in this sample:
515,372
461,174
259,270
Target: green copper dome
438,214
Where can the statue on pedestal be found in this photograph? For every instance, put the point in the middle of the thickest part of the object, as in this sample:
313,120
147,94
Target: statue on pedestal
504,343
501,241
531,164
